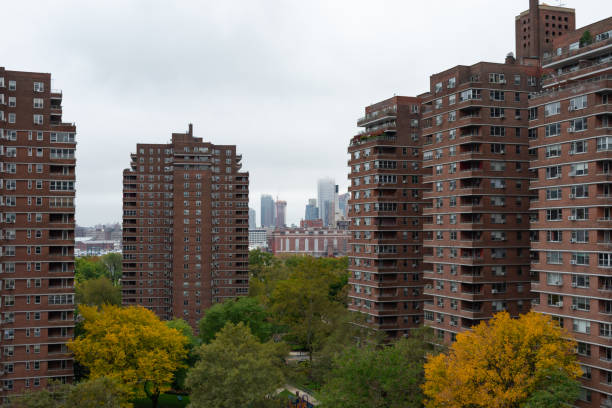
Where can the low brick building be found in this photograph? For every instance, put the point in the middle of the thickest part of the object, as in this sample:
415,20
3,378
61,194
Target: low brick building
318,242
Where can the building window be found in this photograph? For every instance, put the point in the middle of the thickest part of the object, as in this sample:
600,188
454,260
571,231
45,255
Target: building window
552,109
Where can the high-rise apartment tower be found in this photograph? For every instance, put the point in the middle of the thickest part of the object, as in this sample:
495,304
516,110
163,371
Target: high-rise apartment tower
385,210
185,227
36,233
570,130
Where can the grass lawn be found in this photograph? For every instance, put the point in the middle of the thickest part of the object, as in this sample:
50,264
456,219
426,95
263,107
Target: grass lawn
165,401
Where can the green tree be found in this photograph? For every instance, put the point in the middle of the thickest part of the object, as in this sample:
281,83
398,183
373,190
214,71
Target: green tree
554,388
244,309
97,393
192,344
236,370
266,271
586,38
89,267
53,396
307,304
349,329
259,260
113,263
379,377
98,292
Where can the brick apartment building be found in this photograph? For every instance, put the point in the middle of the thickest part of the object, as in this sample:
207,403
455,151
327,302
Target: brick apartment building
570,135
476,231
313,241
536,29
517,204
37,233
385,208
185,227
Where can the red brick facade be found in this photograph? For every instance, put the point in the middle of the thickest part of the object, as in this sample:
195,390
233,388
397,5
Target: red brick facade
185,227
476,232
537,28
570,135
313,241
386,212
37,233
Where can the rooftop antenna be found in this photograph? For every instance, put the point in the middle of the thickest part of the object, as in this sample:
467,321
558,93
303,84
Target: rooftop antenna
560,3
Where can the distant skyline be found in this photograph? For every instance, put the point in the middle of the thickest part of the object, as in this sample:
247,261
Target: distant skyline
283,80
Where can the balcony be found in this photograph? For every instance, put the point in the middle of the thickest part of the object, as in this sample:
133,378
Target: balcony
377,117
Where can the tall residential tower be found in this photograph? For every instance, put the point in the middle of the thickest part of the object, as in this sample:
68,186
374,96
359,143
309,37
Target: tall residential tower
385,208
185,227
36,233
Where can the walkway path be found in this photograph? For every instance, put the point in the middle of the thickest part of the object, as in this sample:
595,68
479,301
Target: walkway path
293,391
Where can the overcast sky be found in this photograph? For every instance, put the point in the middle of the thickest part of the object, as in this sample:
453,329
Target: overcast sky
284,80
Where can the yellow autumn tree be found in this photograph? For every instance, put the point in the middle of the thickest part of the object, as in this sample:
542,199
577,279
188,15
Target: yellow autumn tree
505,363
131,345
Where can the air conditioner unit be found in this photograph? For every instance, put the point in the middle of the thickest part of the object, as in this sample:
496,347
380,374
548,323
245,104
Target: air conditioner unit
502,81
574,285
570,130
571,108
572,196
573,240
573,262
559,304
493,290
571,218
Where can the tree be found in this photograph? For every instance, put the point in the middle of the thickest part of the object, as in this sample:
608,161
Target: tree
265,271
307,303
235,370
379,377
246,310
89,267
113,263
258,260
98,393
348,329
192,343
505,363
586,38
130,345
54,396
98,292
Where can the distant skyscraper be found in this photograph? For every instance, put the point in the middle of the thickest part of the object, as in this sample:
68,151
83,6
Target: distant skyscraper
342,201
326,189
267,211
252,219
312,212
281,210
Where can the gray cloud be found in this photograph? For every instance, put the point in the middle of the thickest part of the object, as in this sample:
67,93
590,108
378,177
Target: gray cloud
284,80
